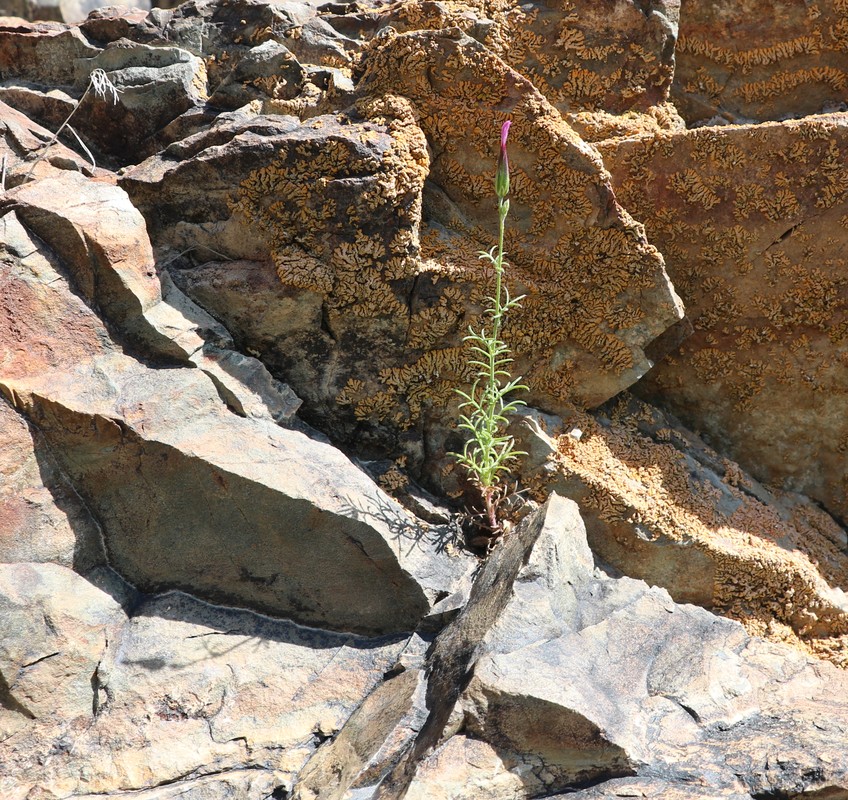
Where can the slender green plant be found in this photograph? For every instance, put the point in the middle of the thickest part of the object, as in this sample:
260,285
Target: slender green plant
489,451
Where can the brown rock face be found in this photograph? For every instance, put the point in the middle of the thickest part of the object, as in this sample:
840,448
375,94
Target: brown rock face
353,229
760,59
607,67
202,598
752,223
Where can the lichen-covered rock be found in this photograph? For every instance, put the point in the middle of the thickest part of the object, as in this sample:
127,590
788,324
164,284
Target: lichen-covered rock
606,68
661,506
268,71
761,60
577,324
752,222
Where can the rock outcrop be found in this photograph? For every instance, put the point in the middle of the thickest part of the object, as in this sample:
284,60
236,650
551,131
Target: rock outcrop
766,60
763,278
232,310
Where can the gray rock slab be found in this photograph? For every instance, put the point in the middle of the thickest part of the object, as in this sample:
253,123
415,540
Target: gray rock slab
239,510
184,699
635,684
54,628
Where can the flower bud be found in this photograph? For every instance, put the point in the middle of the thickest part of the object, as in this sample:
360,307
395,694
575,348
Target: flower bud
502,175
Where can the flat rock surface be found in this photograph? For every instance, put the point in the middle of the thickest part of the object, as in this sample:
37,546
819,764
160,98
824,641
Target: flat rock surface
760,60
764,282
196,700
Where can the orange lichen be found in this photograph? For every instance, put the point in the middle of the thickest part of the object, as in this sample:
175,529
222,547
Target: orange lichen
763,278
783,82
757,56
771,570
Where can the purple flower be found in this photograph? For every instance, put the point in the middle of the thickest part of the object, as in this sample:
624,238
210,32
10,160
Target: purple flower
502,175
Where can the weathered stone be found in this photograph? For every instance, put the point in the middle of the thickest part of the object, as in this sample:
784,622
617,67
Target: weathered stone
64,10
267,71
219,703
380,728
106,250
43,326
242,525
653,788
55,627
227,32
335,203
761,60
154,86
41,516
613,678
50,108
453,655
23,141
661,506
82,411
561,213
765,285
463,769
109,23
42,52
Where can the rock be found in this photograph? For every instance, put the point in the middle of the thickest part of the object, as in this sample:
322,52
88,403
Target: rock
42,52
64,10
107,251
607,70
109,23
560,315
661,506
244,46
218,703
653,788
266,318
586,678
55,627
267,71
81,412
452,658
380,360
322,211
154,86
240,538
41,516
23,141
768,60
762,375
362,752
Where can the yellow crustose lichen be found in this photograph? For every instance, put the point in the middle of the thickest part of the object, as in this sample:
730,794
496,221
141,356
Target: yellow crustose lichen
771,572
